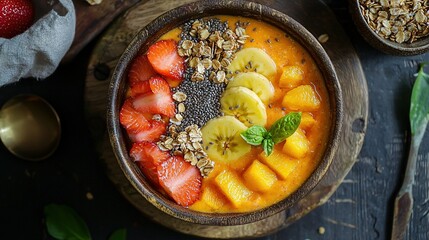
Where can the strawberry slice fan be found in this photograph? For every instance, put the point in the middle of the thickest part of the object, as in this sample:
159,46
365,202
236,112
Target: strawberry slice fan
34,37
145,115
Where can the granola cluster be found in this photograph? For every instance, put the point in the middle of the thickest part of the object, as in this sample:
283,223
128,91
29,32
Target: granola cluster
189,144
211,50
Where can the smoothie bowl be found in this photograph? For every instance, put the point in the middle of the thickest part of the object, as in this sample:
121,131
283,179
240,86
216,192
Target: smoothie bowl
224,113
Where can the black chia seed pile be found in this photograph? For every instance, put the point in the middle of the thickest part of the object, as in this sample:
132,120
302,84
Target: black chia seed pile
202,102
203,97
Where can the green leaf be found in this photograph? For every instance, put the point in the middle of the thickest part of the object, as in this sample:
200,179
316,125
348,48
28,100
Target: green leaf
120,234
268,146
254,135
285,126
63,223
419,110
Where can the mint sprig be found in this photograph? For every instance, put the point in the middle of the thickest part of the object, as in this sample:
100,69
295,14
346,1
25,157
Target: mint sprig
268,146
279,131
254,135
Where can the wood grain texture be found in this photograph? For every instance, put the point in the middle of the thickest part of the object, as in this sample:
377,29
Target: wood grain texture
91,20
379,170
349,72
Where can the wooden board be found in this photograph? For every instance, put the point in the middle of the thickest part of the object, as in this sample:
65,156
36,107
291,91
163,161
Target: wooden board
92,19
349,71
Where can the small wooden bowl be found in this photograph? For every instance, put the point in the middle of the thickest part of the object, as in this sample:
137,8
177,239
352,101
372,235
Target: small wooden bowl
148,35
403,49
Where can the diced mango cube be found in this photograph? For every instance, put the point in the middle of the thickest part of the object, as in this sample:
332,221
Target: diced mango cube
280,163
297,145
233,188
213,198
259,177
291,77
307,121
302,98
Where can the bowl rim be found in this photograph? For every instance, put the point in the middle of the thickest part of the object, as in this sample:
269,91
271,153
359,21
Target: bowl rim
174,18
385,45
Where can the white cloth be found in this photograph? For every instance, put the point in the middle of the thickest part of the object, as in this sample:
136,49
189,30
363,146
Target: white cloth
38,51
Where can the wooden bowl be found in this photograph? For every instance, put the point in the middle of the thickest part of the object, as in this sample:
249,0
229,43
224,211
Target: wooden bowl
148,35
385,45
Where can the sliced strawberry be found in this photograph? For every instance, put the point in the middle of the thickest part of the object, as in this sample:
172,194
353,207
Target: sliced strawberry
180,180
140,70
149,157
132,120
150,135
139,88
159,85
165,60
159,101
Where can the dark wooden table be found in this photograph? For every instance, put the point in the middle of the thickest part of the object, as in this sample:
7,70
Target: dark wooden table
361,208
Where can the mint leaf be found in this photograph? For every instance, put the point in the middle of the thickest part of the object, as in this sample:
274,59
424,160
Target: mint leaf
268,146
285,126
254,135
63,223
419,110
120,234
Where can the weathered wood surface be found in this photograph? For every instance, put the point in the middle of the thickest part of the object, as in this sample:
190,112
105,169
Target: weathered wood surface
348,68
92,19
360,209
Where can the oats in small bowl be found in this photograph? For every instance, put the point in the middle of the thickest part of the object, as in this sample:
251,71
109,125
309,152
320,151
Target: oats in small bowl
399,27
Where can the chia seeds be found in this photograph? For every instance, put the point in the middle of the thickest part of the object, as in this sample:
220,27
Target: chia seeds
202,101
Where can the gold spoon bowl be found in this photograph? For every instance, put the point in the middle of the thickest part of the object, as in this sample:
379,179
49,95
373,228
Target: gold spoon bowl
29,127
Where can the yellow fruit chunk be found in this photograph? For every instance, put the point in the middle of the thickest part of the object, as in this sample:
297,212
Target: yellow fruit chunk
291,77
213,198
259,177
297,145
302,98
280,163
307,121
231,185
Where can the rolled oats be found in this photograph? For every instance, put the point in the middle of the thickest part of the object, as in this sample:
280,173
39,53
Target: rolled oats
200,68
197,77
181,107
189,144
209,47
179,96
216,64
175,121
401,21
193,63
179,117
207,63
323,38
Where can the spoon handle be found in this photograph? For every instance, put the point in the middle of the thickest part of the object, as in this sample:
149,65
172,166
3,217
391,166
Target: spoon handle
404,200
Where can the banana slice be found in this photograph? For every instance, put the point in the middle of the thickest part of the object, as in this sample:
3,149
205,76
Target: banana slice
222,140
256,60
256,82
245,105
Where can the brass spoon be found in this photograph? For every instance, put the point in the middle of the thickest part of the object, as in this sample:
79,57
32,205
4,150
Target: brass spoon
29,127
